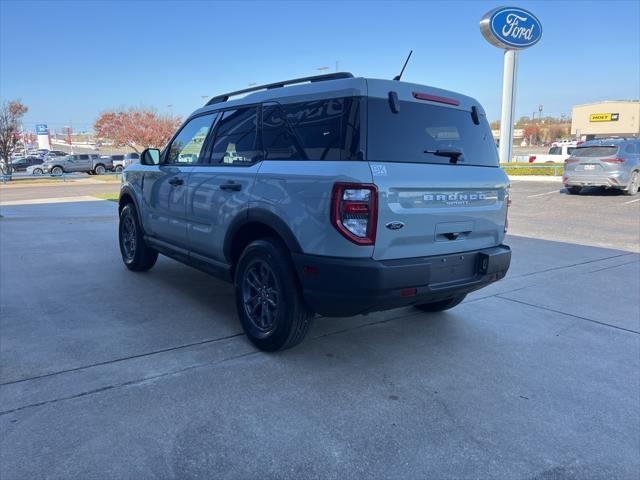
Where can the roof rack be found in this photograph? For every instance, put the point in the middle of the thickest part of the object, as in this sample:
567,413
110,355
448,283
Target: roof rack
270,86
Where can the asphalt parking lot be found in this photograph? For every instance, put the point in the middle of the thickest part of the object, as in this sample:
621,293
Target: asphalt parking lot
107,373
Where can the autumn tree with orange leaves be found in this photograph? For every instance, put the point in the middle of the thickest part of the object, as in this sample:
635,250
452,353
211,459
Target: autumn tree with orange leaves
136,128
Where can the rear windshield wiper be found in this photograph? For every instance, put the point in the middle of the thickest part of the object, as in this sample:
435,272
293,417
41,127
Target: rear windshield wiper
453,154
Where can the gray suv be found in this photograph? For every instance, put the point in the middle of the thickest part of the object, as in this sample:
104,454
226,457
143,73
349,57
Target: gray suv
328,195
609,163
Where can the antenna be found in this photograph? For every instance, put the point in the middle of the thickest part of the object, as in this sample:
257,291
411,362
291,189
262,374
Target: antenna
398,77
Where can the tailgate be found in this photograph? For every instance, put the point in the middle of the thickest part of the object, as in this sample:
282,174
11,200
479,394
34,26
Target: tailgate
427,209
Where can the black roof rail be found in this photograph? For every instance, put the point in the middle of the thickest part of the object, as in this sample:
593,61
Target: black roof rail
270,86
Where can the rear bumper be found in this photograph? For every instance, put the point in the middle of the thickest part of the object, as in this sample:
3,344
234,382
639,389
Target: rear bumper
609,179
341,287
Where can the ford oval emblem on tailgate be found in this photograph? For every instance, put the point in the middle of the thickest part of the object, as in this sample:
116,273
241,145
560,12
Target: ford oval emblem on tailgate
394,225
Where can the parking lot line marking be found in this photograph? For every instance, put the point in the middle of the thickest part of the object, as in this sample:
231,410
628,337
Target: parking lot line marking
541,194
632,201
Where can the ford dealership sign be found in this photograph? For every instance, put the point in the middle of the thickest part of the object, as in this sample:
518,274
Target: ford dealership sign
511,28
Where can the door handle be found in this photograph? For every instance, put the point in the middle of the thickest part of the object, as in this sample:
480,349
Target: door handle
231,186
175,181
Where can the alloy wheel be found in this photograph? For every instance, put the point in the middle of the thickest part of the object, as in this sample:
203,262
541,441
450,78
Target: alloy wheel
260,295
129,237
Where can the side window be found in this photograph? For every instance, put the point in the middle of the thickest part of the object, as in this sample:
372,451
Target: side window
570,150
236,139
186,148
84,157
555,150
278,139
328,129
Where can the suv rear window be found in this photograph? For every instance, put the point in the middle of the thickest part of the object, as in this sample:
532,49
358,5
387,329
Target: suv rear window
419,127
595,151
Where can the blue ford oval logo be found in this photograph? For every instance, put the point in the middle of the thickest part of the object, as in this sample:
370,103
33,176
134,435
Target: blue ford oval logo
394,225
511,27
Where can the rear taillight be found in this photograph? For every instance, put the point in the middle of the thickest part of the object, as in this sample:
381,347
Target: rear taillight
532,158
570,160
354,211
613,160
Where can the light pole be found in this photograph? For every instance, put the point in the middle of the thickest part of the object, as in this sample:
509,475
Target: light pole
170,107
540,113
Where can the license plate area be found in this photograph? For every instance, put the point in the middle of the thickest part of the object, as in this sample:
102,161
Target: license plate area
454,268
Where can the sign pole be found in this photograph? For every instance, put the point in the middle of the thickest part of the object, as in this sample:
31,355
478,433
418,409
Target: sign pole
509,75
512,29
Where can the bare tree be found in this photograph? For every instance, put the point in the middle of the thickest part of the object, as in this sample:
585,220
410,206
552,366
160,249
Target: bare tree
10,114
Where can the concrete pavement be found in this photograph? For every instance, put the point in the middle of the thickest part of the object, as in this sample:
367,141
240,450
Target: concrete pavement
111,374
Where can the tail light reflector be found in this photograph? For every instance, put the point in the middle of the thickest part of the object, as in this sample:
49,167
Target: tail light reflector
354,211
613,160
532,158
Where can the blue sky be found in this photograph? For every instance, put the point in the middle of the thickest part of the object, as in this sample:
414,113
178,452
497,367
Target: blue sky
69,61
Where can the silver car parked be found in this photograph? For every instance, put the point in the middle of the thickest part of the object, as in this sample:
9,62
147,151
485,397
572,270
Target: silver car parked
608,163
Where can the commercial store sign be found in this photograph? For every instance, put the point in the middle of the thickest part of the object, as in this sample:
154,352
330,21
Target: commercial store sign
604,117
511,28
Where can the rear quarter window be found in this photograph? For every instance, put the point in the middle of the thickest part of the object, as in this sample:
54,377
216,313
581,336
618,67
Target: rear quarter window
327,129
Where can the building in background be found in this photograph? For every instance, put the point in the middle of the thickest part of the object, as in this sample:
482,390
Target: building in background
619,118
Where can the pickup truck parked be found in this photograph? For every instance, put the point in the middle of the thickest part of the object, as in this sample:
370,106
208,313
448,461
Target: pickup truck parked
557,154
122,161
89,163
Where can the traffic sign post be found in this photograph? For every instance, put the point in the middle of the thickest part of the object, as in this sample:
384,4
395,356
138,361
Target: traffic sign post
511,29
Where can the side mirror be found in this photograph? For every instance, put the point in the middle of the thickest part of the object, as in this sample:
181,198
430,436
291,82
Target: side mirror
150,156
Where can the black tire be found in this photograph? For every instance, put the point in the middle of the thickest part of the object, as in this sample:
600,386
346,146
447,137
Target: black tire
269,301
574,190
99,169
57,171
119,169
634,184
89,173
136,254
441,305
37,171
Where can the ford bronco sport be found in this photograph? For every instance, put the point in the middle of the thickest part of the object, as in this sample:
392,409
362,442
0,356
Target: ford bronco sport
328,195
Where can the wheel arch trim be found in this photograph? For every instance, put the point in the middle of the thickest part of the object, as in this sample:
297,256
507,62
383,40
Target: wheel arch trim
268,219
